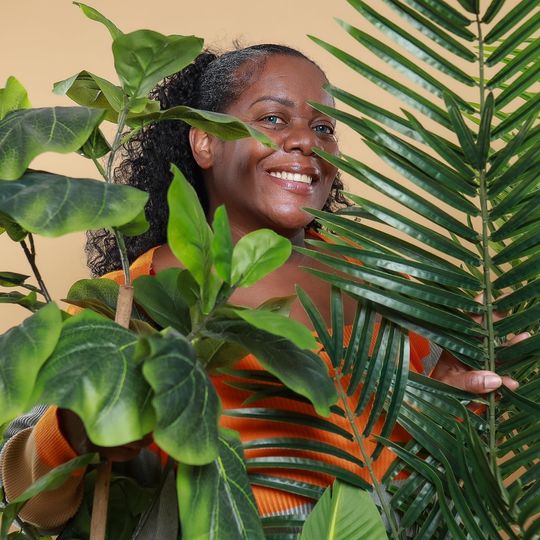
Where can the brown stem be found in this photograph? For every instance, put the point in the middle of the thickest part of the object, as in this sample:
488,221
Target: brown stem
98,525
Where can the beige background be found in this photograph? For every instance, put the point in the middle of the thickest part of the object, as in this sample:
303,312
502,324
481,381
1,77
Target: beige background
45,41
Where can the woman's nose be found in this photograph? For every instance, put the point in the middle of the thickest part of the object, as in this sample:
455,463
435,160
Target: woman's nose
299,137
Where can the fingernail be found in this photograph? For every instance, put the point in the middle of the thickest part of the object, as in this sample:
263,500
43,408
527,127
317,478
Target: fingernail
492,382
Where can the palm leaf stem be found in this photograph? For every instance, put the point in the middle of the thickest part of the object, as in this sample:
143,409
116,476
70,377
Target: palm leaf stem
366,457
487,264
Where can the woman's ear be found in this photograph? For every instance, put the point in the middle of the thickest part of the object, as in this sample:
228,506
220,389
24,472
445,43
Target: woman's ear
201,147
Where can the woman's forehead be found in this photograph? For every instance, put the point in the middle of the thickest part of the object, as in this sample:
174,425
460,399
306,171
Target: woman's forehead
287,79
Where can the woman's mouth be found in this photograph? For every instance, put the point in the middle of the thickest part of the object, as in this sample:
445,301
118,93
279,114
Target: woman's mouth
292,177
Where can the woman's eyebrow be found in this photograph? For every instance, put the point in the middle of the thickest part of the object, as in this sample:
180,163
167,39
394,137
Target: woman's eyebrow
283,101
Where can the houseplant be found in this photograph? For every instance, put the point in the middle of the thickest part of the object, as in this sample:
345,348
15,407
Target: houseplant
453,457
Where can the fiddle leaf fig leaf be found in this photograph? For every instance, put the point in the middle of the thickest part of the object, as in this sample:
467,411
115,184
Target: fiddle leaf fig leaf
221,125
102,290
144,57
93,372
27,133
13,97
162,300
222,244
256,255
95,15
216,498
23,351
53,205
344,511
304,372
189,234
185,401
278,324
89,90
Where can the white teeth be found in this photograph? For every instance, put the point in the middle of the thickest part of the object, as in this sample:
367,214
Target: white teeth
292,177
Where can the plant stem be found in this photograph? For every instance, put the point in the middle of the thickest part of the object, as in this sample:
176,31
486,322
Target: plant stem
30,253
366,457
487,265
107,175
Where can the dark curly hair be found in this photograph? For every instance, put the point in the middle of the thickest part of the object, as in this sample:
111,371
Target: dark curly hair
212,82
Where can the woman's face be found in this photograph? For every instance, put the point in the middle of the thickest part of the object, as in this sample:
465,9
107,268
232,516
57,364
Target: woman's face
263,187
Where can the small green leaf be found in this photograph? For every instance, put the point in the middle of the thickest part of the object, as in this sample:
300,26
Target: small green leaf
304,372
144,57
23,351
222,244
12,228
484,131
13,97
53,205
520,61
492,10
344,512
463,133
185,401
96,146
93,372
162,300
472,6
256,255
279,325
28,301
27,133
12,279
216,499
189,235
95,15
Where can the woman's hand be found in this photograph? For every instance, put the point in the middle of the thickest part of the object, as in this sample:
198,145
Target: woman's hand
74,432
451,371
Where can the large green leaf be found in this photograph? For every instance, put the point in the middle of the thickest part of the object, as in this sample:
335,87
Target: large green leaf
304,372
13,97
279,325
215,500
161,298
222,244
23,351
27,133
185,401
93,372
189,235
257,254
53,205
344,513
221,125
144,57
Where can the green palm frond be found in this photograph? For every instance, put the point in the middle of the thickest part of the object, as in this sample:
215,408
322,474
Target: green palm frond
466,221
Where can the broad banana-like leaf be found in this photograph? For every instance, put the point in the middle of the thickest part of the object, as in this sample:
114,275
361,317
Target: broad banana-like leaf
215,500
344,513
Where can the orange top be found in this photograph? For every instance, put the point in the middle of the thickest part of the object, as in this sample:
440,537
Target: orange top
271,500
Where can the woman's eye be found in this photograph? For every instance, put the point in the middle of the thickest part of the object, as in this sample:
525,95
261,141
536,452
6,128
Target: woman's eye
324,129
273,119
